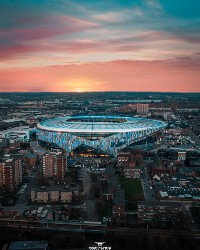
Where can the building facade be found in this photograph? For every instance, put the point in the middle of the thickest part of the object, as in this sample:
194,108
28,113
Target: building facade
10,174
55,195
54,166
106,133
142,108
159,213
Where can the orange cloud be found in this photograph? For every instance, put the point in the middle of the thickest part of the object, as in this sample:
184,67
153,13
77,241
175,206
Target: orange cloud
180,75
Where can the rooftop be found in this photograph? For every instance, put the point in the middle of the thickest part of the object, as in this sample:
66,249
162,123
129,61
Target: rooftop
101,124
21,129
36,245
159,203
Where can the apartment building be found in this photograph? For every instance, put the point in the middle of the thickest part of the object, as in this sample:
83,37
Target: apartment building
142,108
10,174
55,166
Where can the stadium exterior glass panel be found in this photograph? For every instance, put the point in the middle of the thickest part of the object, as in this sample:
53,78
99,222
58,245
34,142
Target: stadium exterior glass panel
106,133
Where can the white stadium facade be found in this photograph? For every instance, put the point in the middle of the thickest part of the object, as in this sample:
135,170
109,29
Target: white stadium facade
105,133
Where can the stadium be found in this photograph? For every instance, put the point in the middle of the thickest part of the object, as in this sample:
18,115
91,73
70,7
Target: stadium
106,133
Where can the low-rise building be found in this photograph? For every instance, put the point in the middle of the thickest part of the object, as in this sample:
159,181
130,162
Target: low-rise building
18,134
126,161
156,212
179,187
42,196
53,194
161,174
132,173
66,196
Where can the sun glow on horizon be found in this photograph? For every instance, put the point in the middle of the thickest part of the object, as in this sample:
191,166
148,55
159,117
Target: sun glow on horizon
79,90
78,85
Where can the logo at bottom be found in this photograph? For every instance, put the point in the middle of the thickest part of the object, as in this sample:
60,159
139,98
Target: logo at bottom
100,246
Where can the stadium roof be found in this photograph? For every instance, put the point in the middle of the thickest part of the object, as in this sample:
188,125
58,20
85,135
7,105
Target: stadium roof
99,124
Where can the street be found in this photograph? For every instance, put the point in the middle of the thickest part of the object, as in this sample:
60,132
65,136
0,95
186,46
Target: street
89,203
147,185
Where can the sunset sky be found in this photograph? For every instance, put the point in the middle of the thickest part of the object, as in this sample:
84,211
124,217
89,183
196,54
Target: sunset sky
100,45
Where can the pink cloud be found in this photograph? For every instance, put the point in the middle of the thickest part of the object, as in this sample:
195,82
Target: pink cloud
50,26
18,41
168,75
46,40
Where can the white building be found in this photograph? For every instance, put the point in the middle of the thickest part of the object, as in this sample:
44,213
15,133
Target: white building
21,134
142,108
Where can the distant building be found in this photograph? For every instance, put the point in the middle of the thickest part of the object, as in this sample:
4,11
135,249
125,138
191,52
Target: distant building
55,166
10,174
142,108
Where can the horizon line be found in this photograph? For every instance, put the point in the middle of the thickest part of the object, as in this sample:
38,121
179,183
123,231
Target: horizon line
110,91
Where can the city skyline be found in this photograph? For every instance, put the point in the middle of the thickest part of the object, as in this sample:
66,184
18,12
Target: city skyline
64,46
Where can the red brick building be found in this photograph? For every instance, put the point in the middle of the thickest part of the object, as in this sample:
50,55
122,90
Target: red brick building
10,174
127,163
30,160
55,166
60,167
123,159
48,163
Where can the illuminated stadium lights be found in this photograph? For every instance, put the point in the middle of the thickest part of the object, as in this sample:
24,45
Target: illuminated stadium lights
106,133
